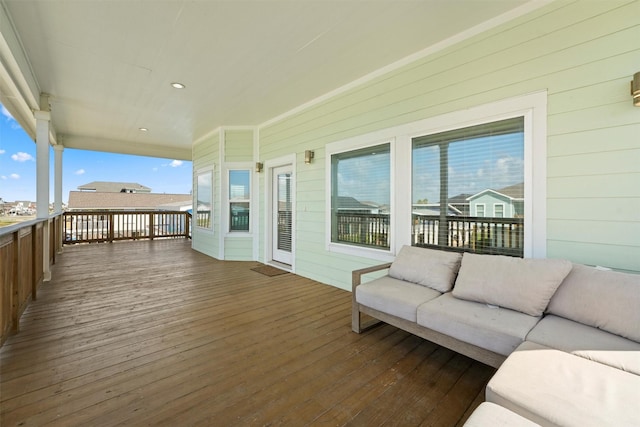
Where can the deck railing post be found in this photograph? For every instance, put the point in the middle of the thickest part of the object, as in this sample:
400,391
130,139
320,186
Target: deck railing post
151,220
34,260
15,283
111,227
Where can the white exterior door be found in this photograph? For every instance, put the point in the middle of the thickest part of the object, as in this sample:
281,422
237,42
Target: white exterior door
282,215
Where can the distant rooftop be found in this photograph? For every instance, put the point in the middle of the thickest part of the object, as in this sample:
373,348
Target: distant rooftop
79,200
115,187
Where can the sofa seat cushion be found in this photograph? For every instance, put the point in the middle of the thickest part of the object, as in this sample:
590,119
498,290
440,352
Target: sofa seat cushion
393,296
608,300
524,285
551,387
588,342
493,328
491,415
428,267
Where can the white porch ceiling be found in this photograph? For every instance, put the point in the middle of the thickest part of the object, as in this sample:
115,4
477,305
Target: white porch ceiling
108,65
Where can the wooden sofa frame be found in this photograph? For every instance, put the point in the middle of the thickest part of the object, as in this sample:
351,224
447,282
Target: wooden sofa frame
478,353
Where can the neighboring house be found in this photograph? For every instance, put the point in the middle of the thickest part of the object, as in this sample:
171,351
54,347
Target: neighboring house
434,209
352,205
507,202
85,200
114,187
460,203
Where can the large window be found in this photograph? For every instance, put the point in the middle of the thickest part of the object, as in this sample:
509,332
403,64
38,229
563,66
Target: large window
239,200
458,174
361,197
204,200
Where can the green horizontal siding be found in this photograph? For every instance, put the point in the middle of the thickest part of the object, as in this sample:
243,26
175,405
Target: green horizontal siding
582,53
238,145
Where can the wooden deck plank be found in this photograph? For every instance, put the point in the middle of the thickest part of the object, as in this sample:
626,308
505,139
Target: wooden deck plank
155,333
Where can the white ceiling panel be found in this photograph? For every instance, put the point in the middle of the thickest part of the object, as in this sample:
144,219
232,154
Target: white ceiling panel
108,64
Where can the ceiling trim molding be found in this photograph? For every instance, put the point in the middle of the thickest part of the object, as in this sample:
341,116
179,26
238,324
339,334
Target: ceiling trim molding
207,135
524,9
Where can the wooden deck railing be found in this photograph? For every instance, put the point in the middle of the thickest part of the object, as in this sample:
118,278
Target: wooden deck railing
111,225
363,229
504,236
22,266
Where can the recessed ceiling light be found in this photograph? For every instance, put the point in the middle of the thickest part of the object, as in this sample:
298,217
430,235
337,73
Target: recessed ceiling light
143,129
177,85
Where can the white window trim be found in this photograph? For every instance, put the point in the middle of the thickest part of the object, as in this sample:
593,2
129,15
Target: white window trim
226,202
353,144
194,201
504,210
484,210
533,107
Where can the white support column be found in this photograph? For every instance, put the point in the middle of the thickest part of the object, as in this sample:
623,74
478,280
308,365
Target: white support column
57,200
42,183
42,163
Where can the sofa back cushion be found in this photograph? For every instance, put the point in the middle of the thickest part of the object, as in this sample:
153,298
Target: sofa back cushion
524,285
427,267
608,300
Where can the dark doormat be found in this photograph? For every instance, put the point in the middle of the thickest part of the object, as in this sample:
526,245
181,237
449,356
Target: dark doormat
268,270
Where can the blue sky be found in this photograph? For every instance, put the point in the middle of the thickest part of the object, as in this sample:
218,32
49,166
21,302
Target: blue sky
18,167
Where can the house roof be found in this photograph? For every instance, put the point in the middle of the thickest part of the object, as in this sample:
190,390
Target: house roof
114,187
79,200
513,192
460,199
351,203
109,65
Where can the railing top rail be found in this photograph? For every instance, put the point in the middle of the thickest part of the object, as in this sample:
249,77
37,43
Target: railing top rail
474,218
10,229
123,211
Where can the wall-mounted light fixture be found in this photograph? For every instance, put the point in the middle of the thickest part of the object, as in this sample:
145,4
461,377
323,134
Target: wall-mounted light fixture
308,156
635,89
259,167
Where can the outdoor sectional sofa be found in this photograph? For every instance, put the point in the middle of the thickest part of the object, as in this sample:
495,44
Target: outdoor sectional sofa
565,337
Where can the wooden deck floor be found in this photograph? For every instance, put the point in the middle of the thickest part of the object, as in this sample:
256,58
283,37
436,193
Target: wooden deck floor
153,333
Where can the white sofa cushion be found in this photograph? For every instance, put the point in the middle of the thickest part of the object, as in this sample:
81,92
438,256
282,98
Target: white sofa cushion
496,329
607,300
393,296
491,415
551,387
588,342
524,285
426,267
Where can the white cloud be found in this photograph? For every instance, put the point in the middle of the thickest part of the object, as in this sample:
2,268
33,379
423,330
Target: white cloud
6,113
2,151
14,176
175,163
21,157
3,177
79,172
155,169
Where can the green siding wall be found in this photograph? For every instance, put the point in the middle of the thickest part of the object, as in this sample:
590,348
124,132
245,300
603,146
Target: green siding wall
206,154
238,145
238,248
582,53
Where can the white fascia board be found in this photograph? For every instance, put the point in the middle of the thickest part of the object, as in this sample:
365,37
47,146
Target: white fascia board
128,147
